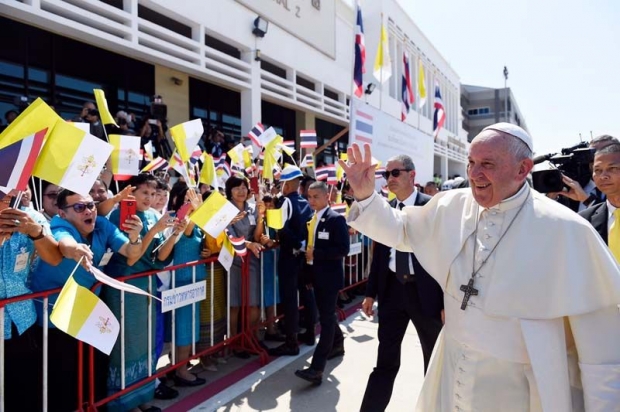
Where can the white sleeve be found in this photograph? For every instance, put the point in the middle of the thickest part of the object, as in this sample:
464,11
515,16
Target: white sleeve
597,337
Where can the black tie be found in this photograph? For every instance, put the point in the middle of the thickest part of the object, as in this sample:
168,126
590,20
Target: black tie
403,272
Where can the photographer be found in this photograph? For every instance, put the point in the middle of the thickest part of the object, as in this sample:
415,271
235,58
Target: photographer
588,195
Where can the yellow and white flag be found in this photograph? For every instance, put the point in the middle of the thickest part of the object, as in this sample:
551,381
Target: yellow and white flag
236,156
267,136
208,175
227,254
35,118
102,106
383,63
275,218
126,155
81,314
214,214
421,84
71,158
186,136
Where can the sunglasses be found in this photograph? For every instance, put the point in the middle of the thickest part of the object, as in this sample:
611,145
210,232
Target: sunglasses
394,173
81,207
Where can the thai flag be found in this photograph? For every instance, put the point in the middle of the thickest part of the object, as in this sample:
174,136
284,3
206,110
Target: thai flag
363,127
308,161
290,144
18,160
360,55
379,172
195,155
255,133
156,164
238,243
219,162
340,208
327,173
407,90
440,114
308,139
261,161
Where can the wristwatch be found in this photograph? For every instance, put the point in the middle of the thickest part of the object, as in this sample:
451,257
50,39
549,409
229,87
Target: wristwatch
137,242
39,236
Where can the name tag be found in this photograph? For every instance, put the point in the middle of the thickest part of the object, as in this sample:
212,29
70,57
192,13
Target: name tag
21,262
252,220
323,235
106,258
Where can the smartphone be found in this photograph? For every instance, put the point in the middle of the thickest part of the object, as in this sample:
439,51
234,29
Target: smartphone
127,208
182,212
254,185
152,121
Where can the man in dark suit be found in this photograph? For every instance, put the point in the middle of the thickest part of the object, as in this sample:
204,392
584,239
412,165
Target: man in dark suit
328,244
406,293
606,176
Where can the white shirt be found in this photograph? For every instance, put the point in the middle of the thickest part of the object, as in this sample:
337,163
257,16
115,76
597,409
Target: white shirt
410,201
611,218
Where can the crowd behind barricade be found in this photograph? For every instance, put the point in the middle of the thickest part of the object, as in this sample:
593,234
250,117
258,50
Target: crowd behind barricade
40,250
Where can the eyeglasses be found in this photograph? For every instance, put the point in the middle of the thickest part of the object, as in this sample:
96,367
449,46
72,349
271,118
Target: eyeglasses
51,195
81,207
394,173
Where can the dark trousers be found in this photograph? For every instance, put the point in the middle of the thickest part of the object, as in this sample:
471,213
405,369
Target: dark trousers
22,358
400,305
289,271
331,335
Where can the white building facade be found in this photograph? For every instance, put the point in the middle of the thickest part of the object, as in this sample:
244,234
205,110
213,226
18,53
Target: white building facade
204,59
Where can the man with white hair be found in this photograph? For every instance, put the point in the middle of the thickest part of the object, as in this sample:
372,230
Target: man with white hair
531,292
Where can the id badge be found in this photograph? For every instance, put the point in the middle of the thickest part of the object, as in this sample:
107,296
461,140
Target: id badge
106,258
21,262
252,220
324,235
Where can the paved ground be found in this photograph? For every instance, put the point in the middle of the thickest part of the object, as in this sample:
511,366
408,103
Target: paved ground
275,388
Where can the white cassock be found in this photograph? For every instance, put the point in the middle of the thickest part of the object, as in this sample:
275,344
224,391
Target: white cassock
543,333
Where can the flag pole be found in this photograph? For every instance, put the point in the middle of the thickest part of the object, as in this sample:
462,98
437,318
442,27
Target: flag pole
35,194
382,54
105,133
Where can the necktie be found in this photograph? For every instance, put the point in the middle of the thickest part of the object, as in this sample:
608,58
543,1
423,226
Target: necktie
311,226
614,236
403,270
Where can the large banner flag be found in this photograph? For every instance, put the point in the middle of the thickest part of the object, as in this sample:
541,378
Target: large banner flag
102,106
439,116
421,84
71,158
407,90
126,155
360,54
383,63
81,314
214,214
18,160
186,136
38,116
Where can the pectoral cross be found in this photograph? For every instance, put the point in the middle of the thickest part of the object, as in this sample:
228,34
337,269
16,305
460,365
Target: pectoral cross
469,292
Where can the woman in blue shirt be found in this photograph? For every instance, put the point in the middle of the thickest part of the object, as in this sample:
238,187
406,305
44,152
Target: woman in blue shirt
24,238
81,234
136,330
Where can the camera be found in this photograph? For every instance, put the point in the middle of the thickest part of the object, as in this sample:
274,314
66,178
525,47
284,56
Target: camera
573,162
159,110
21,102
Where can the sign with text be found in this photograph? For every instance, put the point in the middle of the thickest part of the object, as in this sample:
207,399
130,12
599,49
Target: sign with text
355,248
183,296
301,18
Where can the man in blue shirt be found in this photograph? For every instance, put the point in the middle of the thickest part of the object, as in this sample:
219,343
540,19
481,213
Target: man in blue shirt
80,234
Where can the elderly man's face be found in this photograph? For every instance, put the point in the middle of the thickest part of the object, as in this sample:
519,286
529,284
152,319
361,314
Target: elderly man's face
493,171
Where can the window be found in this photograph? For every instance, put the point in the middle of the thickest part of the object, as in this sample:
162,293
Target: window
305,83
218,108
164,21
273,69
479,111
223,47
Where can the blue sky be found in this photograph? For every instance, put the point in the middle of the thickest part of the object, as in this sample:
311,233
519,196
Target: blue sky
563,57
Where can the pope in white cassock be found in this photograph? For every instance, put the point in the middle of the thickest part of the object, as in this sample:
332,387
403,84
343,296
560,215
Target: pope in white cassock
531,292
